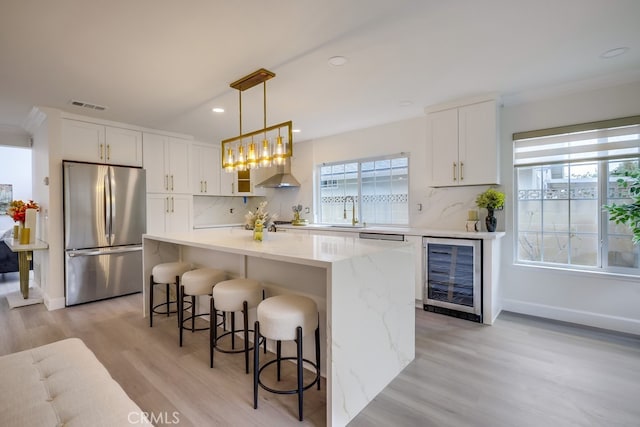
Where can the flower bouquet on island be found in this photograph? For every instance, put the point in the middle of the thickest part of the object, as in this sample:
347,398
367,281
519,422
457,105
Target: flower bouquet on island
261,214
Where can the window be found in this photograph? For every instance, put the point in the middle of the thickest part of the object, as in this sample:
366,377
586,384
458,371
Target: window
378,189
563,177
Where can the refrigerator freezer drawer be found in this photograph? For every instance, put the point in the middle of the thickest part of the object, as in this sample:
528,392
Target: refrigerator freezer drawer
93,275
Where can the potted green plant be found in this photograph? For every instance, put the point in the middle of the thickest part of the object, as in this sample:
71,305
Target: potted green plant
628,213
491,200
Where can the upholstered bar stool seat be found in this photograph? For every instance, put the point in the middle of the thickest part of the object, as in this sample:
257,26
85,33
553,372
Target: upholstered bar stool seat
195,283
167,273
231,296
287,318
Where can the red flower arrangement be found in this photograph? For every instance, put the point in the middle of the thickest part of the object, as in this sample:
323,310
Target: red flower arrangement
17,209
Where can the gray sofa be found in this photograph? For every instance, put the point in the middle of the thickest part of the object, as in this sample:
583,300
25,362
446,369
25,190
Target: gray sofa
8,259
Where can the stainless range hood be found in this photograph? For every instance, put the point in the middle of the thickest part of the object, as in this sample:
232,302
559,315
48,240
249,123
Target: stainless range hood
282,178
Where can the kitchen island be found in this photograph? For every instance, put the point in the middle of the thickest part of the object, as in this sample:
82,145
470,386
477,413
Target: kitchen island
364,290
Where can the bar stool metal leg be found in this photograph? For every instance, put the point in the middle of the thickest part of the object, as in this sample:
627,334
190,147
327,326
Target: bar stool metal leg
151,302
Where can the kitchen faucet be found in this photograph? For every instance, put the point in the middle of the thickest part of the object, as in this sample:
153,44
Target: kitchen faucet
354,221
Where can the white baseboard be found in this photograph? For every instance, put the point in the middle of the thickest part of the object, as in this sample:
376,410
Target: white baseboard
53,303
614,323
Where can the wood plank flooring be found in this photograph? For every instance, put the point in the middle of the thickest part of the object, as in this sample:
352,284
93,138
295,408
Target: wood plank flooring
522,371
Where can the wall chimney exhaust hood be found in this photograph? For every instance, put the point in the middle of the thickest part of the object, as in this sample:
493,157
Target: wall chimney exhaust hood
282,178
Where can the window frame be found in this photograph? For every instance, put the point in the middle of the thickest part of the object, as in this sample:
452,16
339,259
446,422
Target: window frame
360,161
602,184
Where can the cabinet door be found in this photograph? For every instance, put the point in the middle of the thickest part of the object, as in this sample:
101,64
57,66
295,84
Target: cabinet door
443,135
157,210
124,146
83,141
179,161
478,146
153,157
179,216
228,183
210,170
205,176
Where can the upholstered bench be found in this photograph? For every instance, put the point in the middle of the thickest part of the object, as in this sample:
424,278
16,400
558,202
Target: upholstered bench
62,384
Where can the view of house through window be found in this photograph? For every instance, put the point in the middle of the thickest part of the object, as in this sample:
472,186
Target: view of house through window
378,190
562,182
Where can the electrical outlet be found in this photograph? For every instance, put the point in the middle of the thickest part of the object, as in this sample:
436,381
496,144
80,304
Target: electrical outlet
230,210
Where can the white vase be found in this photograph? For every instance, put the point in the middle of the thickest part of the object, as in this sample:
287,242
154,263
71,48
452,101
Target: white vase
30,220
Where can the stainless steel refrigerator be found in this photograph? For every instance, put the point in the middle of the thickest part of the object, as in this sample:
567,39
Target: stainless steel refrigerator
104,220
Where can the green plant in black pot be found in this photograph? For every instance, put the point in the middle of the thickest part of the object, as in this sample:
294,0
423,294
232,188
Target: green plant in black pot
491,200
628,213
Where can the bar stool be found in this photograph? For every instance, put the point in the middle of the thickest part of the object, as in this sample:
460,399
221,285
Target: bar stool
195,283
167,273
232,296
286,318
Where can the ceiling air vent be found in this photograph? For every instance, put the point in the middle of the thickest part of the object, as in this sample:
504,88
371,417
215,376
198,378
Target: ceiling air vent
88,105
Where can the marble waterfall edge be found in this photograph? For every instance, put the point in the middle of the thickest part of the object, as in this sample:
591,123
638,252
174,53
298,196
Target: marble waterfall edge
387,344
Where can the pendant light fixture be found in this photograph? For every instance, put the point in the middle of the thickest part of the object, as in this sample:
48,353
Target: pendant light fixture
241,152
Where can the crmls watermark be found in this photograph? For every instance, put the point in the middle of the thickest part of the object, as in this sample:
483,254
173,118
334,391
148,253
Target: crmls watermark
154,418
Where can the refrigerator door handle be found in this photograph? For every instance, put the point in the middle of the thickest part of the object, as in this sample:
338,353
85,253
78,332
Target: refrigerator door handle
112,201
94,252
106,195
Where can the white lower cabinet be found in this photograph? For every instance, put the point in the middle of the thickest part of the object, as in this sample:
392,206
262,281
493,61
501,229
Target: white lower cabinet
418,261
169,213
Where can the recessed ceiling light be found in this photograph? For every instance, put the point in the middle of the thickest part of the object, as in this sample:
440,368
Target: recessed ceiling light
337,61
296,130
217,110
612,53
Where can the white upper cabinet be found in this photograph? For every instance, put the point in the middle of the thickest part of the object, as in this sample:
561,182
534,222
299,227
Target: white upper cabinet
167,162
241,183
91,142
205,176
464,145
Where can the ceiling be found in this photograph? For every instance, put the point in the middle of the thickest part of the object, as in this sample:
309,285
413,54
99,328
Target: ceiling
164,64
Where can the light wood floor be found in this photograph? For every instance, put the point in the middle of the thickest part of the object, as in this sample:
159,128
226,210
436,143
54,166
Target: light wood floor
520,372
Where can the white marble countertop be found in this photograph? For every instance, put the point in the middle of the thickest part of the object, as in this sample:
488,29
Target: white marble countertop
411,231
15,246
307,249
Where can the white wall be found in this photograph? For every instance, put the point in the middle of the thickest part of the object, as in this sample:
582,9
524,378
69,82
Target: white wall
15,169
604,301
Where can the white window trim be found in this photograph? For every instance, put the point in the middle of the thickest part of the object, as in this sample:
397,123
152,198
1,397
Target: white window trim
318,197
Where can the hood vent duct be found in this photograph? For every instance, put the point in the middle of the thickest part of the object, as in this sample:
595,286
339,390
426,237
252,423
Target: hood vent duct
282,179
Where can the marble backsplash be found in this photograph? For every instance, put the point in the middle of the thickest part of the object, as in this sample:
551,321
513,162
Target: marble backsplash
434,208
216,210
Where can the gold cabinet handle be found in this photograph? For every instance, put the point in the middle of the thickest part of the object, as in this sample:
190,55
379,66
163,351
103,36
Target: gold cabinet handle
167,205
454,172
171,182
461,171
205,186
101,148
108,152
173,205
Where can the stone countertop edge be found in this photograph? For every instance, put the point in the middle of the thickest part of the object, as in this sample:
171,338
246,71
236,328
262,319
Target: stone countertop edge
423,232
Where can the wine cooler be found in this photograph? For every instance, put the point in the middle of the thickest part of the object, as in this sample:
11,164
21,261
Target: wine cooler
453,277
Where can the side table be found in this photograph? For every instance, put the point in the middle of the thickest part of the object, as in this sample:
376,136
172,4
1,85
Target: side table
25,254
